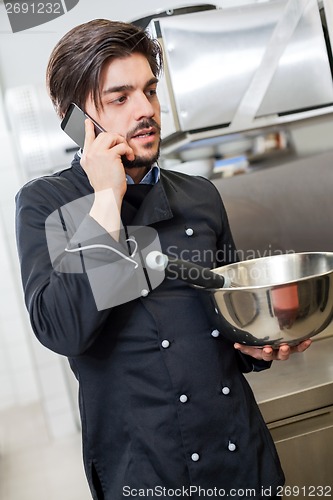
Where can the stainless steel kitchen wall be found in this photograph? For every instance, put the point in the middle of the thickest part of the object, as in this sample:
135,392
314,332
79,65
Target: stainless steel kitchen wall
227,67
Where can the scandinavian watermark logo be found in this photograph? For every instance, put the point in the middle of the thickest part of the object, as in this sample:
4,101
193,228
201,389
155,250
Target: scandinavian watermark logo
114,263
25,14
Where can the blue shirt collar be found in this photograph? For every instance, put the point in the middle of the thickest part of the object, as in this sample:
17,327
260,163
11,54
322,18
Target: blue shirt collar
151,177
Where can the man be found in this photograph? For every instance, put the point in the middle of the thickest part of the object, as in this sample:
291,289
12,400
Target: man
165,408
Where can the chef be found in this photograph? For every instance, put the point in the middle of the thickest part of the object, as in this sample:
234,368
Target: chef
165,408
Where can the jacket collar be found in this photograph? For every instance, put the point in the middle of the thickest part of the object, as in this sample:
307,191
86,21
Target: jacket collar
154,208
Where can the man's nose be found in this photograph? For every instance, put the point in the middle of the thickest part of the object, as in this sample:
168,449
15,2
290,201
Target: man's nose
143,107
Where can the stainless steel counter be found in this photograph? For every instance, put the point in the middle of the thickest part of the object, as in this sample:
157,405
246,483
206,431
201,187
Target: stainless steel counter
300,384
296,400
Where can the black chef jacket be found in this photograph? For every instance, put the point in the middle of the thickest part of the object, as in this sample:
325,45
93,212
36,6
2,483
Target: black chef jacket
165,408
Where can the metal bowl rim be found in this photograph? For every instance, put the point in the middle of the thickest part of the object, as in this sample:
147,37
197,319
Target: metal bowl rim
271,285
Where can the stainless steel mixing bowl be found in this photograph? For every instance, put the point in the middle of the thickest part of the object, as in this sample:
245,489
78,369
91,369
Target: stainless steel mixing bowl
280,299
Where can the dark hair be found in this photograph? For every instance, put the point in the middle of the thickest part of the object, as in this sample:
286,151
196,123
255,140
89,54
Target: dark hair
76,62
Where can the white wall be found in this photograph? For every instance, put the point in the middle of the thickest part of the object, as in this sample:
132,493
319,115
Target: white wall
17,374
28,372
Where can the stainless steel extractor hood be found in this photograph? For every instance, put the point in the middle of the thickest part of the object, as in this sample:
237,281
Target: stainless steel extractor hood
242,68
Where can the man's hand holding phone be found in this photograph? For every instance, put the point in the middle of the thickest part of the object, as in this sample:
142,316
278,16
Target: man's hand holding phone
102,150
101,160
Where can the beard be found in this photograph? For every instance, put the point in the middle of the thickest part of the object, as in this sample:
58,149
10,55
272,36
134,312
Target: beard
142,161
146,161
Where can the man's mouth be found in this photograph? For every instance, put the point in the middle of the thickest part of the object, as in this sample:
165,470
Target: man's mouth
144,133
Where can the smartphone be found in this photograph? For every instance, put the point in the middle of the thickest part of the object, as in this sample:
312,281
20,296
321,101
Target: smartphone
73,124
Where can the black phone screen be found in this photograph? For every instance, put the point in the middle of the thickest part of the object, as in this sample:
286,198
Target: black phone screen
73,124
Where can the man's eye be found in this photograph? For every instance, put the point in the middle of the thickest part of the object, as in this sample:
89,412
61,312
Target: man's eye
152,92
119,100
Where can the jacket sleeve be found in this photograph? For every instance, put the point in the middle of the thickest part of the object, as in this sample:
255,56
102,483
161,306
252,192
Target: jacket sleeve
57,287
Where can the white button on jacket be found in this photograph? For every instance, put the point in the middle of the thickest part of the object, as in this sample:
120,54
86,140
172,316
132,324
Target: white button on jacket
231,446
195,457
165,344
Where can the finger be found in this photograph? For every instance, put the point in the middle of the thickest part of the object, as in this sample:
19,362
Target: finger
124,150
238,347
303,345
283,352
107,140
89,133
255,352
268,353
